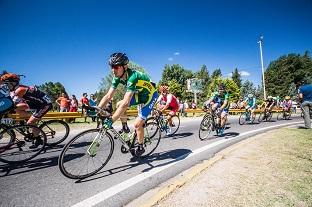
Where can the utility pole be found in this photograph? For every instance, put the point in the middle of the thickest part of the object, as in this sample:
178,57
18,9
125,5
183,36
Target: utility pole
263,82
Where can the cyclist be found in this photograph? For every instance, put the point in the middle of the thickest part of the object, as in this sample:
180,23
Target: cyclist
287,104
140,90
25,98
269,103
251,104
170,102
305,98
220,103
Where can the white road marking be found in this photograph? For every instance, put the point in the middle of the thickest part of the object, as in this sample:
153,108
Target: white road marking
102,196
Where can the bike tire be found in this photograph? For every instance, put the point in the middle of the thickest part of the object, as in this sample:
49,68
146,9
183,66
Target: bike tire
56,131
176,123
153,120
17,149
261,117
150,143
205,127
70,154
242,118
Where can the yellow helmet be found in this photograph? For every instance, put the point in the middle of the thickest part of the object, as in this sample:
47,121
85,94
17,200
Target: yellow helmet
287,97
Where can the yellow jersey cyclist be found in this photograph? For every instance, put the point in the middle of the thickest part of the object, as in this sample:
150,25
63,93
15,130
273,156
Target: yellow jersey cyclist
250,102
140,90
220,103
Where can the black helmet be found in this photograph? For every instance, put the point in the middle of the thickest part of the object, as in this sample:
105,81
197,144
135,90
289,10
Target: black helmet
118,59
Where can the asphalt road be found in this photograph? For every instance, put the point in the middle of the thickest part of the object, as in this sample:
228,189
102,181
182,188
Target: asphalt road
40,183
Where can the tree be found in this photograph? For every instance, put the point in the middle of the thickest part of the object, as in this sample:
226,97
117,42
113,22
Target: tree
284,71
53,90
177,73
247,88
216,74
230,85
203,74
236,77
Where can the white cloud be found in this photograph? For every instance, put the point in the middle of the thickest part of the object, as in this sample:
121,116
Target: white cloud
176,53
170,59
229,75
244,73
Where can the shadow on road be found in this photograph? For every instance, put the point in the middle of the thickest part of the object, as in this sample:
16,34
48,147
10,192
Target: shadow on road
178,135
172,156
35,164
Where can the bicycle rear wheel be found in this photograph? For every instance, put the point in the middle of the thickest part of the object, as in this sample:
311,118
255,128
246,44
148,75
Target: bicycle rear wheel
175,124
76,161
150,142
205,127
56,131
18,145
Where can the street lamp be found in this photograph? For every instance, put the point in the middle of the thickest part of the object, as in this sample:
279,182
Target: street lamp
260,43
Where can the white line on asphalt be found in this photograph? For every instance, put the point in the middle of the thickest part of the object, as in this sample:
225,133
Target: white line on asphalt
102,196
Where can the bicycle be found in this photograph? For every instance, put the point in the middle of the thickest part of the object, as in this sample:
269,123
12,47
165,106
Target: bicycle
245,117
265,115
209,124
284,115
95,147
56,130
16,142
163,123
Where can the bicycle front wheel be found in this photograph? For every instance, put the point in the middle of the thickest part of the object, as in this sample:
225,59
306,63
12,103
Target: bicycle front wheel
86,154
206,127
175,124
56,131
242,118
18,144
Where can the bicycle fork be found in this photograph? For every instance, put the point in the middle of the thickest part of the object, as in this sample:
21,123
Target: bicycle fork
92,150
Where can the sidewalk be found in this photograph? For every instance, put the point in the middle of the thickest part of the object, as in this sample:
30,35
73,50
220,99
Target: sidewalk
271,169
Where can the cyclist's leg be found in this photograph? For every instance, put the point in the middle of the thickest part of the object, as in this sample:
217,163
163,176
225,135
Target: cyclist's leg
143,113
37,115
123,117
224,117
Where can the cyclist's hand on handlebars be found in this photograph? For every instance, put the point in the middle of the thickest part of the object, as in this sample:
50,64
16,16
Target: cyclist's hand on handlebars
108,123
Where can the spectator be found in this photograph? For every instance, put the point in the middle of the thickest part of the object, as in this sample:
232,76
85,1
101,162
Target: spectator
186,106
193,106
240,104
233,105
63,102
73,104
92,103
84,101
305,97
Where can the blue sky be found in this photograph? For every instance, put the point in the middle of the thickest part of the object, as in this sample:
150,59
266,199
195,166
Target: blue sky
70,41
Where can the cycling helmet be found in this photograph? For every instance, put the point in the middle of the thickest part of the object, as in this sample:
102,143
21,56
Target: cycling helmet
118,59
10,77
250,95
287,97
163,88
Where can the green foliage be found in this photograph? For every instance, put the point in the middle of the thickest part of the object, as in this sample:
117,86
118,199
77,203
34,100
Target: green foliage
236,77
231,88
284,71
176,72
247,88
216,74
53,90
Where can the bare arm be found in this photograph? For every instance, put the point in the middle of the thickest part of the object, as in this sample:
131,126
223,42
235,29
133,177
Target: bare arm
123,106
107,98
